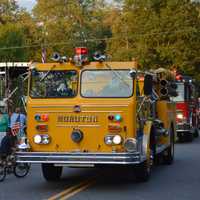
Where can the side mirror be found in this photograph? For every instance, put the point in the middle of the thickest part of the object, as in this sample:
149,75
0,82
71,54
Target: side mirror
148,84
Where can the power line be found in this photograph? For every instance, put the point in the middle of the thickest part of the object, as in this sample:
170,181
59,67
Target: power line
91,40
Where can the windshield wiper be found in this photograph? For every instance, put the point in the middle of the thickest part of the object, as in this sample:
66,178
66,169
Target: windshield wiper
47,73
118,75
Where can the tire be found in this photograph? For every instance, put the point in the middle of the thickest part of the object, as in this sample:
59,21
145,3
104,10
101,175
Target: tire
181,138
189,137
158,159
50,172
143,172
2,173
168,154
196,133
21,170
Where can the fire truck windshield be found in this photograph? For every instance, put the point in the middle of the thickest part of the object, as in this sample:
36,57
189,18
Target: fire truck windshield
181,93
105,83
53,84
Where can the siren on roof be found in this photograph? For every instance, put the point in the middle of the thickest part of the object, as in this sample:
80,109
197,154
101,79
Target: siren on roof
81,56
99,57
57,58
179,77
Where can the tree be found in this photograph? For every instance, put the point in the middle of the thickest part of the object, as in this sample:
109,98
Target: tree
71,23
12,35
159,33
8,11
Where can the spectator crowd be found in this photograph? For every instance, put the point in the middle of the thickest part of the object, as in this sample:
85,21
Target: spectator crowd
12,130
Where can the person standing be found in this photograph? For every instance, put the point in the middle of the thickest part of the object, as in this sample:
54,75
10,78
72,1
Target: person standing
18,124
3,125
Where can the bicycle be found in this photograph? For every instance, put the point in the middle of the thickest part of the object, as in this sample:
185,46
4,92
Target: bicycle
8,165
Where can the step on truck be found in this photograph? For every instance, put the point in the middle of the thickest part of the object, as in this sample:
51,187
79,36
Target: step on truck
99,113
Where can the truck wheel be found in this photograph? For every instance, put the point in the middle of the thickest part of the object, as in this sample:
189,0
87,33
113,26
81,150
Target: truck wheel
196,133
181,138
143,172
50,172
2,173
168,154
190,137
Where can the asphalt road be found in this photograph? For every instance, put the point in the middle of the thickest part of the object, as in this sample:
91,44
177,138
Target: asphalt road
180,181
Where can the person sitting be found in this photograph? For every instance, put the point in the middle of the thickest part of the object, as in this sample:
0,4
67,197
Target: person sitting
64,90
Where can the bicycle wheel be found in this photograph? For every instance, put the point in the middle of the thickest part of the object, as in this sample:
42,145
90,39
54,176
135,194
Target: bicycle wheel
2,173
21,169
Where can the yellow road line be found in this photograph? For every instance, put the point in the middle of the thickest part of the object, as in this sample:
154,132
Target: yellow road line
71,191
78,190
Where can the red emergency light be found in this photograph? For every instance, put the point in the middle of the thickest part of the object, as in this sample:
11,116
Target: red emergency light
179,77
81,51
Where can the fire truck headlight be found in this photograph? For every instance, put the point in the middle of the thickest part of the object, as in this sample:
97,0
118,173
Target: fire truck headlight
45,139
108,139
179,116
41,139
117,139
130,144
37,139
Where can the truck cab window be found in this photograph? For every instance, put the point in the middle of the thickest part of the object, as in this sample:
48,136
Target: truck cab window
106,83
53,84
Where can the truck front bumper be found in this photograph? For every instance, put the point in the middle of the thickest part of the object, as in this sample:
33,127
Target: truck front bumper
183,127
80,158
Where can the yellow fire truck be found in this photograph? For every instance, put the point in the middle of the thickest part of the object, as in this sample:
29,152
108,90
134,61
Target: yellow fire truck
89,114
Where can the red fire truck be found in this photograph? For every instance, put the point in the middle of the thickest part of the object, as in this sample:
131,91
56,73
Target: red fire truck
186,106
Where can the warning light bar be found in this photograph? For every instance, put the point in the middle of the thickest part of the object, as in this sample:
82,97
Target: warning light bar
179,77
81,51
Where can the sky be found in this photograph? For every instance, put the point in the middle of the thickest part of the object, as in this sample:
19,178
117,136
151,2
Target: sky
28,4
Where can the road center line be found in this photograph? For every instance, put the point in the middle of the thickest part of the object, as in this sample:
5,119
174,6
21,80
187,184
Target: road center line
71,191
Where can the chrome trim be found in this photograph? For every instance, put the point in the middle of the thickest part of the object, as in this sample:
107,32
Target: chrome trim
145,141
89,111
101,111
183,127
80,158
187,124
103,106
80,125
52,106
82,106
75,165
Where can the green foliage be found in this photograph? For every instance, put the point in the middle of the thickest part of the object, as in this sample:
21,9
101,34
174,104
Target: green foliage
71,23
158,33
8,11
14,32
11,35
